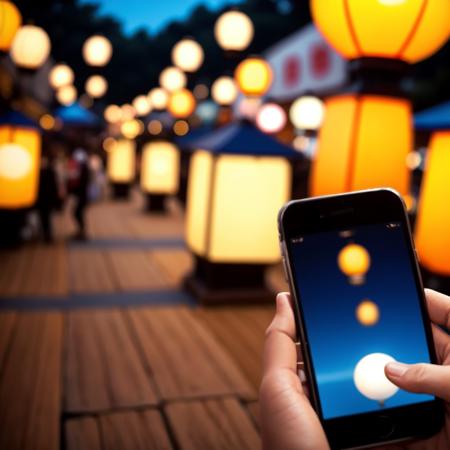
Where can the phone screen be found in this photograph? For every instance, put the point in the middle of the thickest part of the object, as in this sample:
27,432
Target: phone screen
361,309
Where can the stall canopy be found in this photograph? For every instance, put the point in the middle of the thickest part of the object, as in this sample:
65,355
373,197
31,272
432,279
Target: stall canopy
18,119
196,133
76,115
435,118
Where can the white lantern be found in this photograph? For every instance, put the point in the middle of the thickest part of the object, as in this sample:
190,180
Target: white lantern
172,79
30,47
234,31
60,75
224,91
66,95
187,55
97,51
158,98
271,118
307,112
142,105
96,86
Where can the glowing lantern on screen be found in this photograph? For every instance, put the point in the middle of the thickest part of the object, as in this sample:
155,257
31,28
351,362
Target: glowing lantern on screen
432,235
61,75
172,79
20,153
96,86
307,113
10,21
160,168
187,54
97,51
66,95
253,76
121,161
354,261
158,98
233,31
142,105
181,104
370,380
30,47
271,118
367,313
224,91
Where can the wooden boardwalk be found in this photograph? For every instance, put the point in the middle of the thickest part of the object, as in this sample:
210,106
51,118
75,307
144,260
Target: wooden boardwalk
157,376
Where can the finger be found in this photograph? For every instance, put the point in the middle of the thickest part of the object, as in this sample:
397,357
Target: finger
441,342
280,351
421,378
438,308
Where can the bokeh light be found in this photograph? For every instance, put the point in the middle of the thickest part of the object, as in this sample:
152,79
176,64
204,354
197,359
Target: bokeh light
47,122
188,55
154,127
61,75
112,113
354,261
108,143
233,31
181,103
201,91
224,91
307,113
180,127
10,21
271,118
253,76
142,105
158,98
172,79
367,313
66,95
413,160
96,86
30,47
97,51
132,128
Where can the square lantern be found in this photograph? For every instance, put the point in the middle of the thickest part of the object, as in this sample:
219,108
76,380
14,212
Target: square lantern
160,166
121,166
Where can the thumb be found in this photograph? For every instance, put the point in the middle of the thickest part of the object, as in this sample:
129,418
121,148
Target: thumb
421,378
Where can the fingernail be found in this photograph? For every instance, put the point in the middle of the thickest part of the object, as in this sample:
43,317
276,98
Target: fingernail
396,369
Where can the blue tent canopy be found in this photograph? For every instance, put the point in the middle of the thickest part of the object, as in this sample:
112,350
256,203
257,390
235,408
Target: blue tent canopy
435,118
75,114
17,119
196,133
244,139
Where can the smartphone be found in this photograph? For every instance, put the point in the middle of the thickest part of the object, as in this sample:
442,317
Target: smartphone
353,274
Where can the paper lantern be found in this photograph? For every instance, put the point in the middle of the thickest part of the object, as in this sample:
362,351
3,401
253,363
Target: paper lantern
160,168
433,217
363,144
30,47
187,55
121,161
307,113
142,105
158,98
224,91
271,118
253,76
410,30
20,153
354,261
10,21
97,51
234,31
61,75
172,79
66,95
181,103
221,226
96,86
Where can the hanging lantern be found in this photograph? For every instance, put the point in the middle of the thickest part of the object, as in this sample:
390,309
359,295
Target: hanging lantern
224,91
20,153
97,51
142,105
172,79
158,98
66,95
121,166
10,21
187,55
354,262
181,104
253,76
307,113
60,75
271,118
96,86
233,31
30,47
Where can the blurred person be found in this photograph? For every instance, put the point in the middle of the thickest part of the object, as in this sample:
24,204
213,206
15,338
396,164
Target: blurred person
288,420
97,185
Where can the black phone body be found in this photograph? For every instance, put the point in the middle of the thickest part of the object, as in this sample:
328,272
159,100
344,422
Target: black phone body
359,300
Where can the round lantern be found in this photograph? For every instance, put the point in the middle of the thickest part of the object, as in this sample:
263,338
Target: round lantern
224,91
181,103
367,313
60,75
96,86
271,118
10,21
142,105
97,51
234,31
411,30
306,113
112,113
66,95
158,98
30,47
187,55
253,76
172,79
354,261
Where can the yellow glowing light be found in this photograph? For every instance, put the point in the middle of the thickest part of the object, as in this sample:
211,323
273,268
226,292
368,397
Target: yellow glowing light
96,86
356,142
271,118
30,47
132,128
187,54
307,113
412,30
97,51
180,127
413,160
253,76
172,79
154,127
433,216
15,161
141,105
108,143
367,313
234,31
121,161
10,21
223,228
410,202
66,95
354,261
112,113
61,75
181,103
224,91
47,121
201,91
158,98
160,168
128,112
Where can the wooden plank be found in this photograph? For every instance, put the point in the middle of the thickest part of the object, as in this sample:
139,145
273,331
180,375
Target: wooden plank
30,388
185,358
103,369
134,270
212,425
130,430
90,272
175,263
7,323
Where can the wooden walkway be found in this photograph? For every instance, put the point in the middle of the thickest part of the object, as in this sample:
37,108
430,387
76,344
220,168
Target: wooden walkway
151,377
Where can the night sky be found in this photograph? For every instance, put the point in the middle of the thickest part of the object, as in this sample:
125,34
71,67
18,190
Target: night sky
337,340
